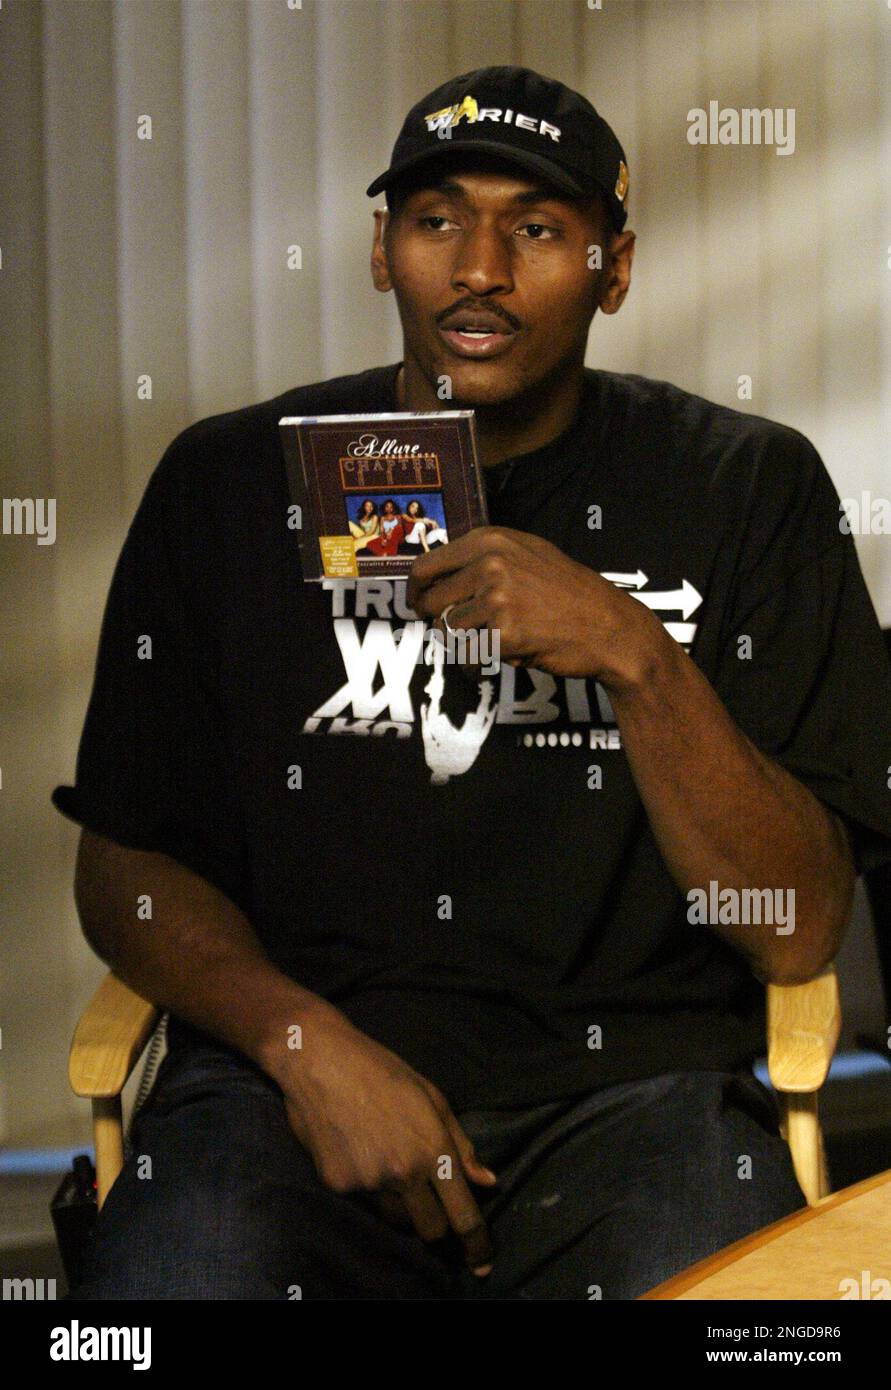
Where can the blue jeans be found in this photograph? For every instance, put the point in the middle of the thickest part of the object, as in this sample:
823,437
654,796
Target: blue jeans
605,1196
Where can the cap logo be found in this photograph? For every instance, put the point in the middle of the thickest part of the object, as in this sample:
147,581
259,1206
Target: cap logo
445,120
622,181
451,115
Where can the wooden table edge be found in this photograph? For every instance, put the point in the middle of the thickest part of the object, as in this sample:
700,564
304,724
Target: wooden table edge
703,1269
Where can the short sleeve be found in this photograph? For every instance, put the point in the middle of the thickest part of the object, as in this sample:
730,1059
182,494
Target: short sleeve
153,770
812,685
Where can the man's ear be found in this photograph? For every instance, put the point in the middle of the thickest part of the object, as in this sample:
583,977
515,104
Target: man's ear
618,279
380,269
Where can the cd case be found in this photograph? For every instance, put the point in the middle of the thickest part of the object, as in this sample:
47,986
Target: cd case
376,491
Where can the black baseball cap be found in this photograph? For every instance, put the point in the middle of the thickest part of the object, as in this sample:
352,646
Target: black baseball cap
531,121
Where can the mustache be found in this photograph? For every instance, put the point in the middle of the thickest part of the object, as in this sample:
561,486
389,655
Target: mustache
497,310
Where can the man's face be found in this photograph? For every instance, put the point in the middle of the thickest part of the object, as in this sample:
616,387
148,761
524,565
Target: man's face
504,258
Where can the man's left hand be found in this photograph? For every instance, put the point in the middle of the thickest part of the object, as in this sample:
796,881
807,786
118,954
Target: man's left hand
550,611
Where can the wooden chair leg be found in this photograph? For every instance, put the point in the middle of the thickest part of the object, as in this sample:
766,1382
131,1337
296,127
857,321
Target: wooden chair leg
802,1130
825,1189
108,1137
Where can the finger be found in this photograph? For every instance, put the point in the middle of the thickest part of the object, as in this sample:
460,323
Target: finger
393,1209
426,1213
459,1136
426,569
456,587
432,565
476,1170
471,614
465,1217
494,636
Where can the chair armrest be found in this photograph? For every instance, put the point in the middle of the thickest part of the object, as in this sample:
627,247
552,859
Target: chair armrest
803,1025
109,1038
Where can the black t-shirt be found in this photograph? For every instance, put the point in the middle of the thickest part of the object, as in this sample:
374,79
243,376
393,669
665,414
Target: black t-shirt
442,865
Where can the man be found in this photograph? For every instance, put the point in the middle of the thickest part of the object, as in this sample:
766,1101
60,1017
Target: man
485,1034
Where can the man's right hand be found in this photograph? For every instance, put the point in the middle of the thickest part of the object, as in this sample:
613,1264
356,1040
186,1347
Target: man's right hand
373,1124
368,1120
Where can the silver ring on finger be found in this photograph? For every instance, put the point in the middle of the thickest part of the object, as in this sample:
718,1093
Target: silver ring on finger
444,619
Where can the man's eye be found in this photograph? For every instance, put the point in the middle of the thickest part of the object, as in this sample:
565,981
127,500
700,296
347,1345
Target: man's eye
424,221
539,227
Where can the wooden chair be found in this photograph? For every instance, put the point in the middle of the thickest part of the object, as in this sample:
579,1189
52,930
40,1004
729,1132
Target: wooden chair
803,1023
108,1042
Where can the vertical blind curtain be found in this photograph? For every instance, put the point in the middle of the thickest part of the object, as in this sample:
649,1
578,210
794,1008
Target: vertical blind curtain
128,259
